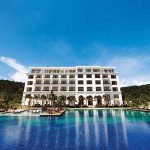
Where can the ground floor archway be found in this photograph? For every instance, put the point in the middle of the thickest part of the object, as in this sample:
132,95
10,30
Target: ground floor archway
90,100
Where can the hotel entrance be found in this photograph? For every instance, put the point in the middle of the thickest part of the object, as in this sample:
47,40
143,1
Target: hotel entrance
90,100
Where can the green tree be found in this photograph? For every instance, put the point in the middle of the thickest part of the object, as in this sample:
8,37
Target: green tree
61,102
53,98
81,99
71,99
43,98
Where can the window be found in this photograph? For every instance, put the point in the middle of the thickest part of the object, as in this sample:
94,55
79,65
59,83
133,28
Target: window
96,70
113,76
98,88
89,81
63,82
106,82
47,76
35,71
80,75
38,82
37,88
97,75
114,82
46,71
63,89
29,89
55,82
46,89
30,83
97,82
71,82
55,88
80,82
55,76
88,70
63,76
116,96
71,88
46,82
89,89
115,89
71,76
107,88
38,76
80,88
80,70
89,76
30,77
105,76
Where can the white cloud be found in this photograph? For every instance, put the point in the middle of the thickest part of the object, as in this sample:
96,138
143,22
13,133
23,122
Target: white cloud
20,74
133,70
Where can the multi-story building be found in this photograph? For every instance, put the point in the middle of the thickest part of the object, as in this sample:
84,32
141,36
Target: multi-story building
92,83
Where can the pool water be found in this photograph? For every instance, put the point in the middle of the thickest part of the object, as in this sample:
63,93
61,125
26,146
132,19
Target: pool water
77,130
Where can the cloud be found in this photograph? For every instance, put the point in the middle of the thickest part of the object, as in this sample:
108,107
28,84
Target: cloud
133,67
133,70
20,74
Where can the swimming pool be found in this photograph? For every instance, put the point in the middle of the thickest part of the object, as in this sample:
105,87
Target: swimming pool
77,129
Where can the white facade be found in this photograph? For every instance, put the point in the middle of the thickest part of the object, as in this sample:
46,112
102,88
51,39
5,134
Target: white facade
74,81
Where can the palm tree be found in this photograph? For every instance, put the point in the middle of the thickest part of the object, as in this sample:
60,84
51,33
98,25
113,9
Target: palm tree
30,99
106,99
36,98
52,97
43,98
81,99
128,98
99,100
71,99
90,100
61,101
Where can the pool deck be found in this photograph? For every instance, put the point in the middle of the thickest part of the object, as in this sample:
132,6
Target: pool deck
57,114
102,108
143,110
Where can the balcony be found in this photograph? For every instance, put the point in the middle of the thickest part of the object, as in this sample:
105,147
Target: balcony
107,89
30,77
55,76
71,88
37,90
38,83
72,76
114,82
71,82
63,89
47,76
38,77
105,76
113,76
46,83
45,90
64,76
54,82
106,82
29,89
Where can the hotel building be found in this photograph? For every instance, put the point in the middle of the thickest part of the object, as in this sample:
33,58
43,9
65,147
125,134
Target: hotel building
94,81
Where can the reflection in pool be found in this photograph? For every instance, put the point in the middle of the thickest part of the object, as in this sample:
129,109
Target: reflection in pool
78,129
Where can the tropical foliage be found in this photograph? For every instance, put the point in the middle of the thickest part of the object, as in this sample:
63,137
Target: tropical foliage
136,95
10,94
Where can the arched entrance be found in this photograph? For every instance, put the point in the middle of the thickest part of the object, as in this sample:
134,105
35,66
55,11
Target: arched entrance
107,99
90,100
81,99
99,100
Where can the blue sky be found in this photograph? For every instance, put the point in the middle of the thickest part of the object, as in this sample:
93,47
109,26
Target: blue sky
77,32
